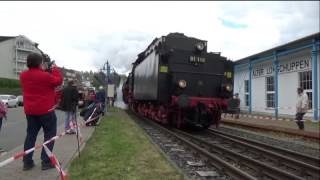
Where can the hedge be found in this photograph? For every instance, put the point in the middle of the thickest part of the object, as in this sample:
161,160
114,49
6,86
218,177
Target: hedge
10,86
9,83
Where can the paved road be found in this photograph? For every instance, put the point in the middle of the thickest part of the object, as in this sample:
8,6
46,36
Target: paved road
13,130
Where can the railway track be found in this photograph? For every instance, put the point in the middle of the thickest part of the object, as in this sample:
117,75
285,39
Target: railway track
243,159
285,160
314,161
253,160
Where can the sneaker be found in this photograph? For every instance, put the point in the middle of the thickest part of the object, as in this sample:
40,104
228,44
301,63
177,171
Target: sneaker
46,165
28,166
70,132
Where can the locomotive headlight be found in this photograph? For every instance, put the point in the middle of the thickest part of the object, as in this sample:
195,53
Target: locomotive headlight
182,83
200,46
229,87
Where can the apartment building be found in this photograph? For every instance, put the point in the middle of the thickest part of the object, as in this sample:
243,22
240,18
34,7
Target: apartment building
13,55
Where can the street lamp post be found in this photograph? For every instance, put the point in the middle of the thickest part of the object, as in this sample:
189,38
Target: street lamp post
106,67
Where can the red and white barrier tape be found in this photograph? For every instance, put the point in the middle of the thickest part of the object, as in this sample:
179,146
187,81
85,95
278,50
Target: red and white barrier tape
55,162
92,113
23,153
53,108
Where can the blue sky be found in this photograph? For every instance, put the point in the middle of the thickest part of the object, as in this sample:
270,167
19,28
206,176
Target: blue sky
82,35
233,25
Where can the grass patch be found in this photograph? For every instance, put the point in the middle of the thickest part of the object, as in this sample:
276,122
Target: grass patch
112,109
119,149
10,86
313,124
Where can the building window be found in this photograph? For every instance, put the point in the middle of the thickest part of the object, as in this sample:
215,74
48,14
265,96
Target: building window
305,82
270,92
20,44
246,92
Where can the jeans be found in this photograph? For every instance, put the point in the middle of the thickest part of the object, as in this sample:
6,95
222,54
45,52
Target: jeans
300,123
48,122
103,107
70,116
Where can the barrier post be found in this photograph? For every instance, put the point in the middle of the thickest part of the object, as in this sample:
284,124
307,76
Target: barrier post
315,90
77,129
276,88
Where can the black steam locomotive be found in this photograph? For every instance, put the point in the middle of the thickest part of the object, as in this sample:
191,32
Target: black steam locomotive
176,81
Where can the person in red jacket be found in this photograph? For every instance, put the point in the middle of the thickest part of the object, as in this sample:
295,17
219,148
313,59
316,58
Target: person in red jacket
38,89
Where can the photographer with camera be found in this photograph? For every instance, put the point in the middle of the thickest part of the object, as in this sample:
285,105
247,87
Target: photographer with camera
38,87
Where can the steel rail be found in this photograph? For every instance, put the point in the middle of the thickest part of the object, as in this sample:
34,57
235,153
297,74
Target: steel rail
215,160
303,168
298,156
262,170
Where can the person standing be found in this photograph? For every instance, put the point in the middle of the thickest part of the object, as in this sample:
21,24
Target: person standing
68,104
236,97
3,114
101,98
38,89
301,107
92,96
114,99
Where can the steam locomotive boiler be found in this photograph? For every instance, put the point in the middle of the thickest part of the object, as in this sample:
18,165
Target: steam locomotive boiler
176,81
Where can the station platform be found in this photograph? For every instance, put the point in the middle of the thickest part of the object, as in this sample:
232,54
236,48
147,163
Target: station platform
285,125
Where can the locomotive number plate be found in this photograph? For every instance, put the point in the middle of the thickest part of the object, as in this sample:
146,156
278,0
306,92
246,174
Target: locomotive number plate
197,60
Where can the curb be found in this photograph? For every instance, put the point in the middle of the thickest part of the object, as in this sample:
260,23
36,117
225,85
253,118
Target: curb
74,155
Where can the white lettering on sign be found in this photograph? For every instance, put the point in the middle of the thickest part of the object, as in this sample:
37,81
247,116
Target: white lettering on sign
196,60
285,67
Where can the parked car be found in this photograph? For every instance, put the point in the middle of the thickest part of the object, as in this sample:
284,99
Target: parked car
20,100
9,100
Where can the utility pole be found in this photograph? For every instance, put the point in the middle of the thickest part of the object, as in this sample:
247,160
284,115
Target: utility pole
106,67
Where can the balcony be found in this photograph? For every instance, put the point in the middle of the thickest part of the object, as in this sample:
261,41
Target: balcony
21,60
25,47
19,69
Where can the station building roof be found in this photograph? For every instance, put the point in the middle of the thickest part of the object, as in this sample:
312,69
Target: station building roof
302,43
4,38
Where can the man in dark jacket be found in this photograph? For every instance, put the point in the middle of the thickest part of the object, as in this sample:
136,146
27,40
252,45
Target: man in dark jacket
39,102
101,98
68,104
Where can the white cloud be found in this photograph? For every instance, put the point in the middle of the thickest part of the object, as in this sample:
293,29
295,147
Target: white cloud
83,35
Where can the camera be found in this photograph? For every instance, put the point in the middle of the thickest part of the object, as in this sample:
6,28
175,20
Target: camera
49,66
48,62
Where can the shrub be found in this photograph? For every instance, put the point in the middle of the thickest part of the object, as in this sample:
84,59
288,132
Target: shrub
9,83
